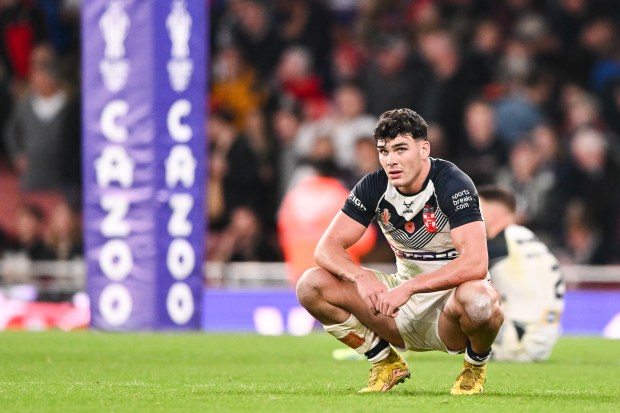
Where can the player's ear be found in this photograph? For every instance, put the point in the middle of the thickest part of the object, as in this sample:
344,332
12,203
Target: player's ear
425,149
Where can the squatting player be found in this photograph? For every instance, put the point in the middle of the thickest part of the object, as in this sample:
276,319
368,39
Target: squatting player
527,276
440,298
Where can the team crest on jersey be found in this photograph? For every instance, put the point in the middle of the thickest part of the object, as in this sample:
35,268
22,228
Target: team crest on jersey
385,216
429,218
410,227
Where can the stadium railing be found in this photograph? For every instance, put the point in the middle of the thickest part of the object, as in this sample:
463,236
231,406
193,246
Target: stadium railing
22,278
259,274
70,276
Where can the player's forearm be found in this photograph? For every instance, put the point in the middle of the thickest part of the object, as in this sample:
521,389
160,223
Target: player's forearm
334,257
451,275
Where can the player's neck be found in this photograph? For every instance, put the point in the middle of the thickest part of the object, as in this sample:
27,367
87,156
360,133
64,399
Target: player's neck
495,230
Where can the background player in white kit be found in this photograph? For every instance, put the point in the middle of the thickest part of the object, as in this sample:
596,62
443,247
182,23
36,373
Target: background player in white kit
440,297
528,278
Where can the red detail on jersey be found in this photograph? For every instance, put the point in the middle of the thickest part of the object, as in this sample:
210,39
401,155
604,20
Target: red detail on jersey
430,222
385,216
410,227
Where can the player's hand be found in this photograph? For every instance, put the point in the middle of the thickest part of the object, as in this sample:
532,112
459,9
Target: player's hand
369,288
389,302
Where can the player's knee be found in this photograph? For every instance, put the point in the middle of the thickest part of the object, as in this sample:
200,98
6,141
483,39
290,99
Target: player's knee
309,286
480,302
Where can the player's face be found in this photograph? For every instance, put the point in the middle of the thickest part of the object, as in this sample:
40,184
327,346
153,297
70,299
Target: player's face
405,161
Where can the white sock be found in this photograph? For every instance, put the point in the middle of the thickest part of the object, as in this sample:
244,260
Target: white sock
360,338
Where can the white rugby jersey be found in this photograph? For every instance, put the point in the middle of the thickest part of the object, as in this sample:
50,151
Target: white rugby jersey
417,226
527,276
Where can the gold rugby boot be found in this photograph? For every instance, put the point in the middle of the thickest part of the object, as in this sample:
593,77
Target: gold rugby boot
471,380
387,373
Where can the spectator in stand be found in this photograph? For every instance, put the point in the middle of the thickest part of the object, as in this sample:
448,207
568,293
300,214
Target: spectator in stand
22,27
322,152
547,145
347,59
62,21
366,155
481,153
551,155
519,112
307,23
262,143
393,78
285,124
583,241
515,64
610,105
233,178
591,177
375,19
29,226
485,53
63,235
438,141
424,15
586,31
41,126
253,30
601,38
296,79
243,239
235,87
580,110
451,85
568,17
534,189
541,48
346,123
507,13
6,103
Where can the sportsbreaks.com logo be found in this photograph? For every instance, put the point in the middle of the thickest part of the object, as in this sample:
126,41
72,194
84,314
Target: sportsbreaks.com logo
462,199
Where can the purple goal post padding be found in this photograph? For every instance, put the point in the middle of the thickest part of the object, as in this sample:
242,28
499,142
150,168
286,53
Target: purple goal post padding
143,85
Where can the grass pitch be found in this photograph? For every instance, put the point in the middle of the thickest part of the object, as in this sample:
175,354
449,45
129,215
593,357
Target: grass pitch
106,372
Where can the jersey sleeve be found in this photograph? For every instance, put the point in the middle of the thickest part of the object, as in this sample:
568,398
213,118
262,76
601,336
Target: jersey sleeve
457,196
362,201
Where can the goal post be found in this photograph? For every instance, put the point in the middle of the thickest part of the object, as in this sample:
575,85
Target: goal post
143,112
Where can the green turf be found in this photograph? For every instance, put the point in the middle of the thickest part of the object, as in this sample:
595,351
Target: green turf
104,372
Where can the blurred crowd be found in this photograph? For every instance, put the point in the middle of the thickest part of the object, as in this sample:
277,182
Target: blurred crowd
523,93
518,92
40,165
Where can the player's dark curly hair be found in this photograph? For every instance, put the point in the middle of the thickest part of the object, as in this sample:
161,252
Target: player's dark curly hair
400,121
